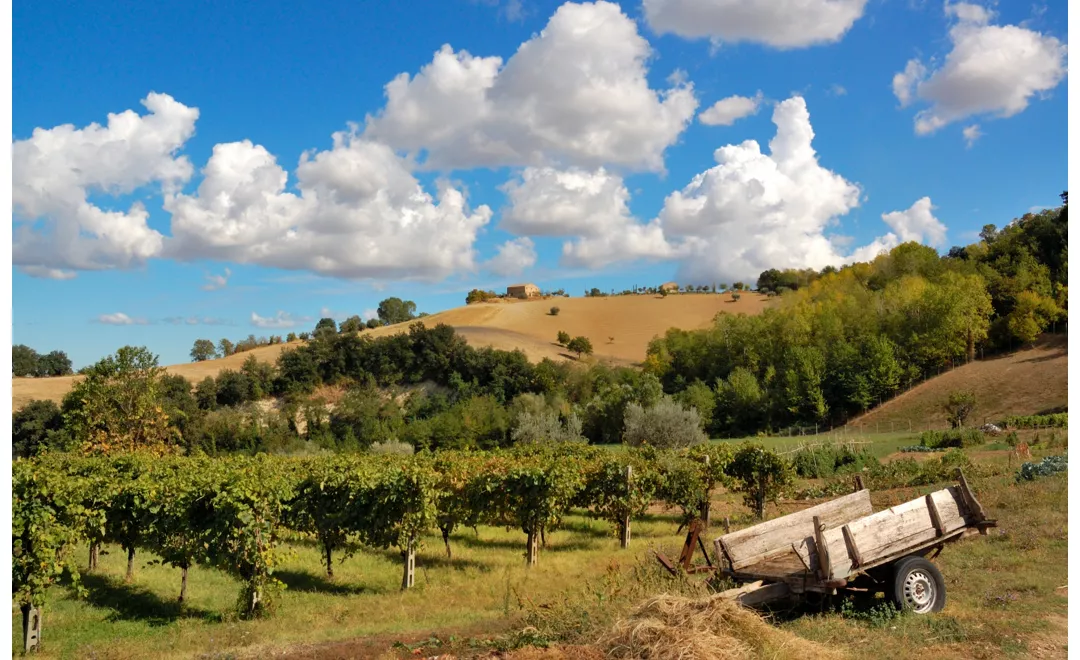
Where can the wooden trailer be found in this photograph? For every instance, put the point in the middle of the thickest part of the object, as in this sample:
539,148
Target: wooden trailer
843,544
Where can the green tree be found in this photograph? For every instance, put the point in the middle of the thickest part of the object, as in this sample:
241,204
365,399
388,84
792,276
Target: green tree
36,428
203,350
119,405
352,324
291,337
396,310
326,324
24,360
580,345
760,475
226,347
54,363
563,338
1031,316
959,406
206,393
700,397
554,311
740,403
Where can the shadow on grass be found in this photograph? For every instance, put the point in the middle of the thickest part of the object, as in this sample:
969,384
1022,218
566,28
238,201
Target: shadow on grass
596,528
554,544
310,583
131,602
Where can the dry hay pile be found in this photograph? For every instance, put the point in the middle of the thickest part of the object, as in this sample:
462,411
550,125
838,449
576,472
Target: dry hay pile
676,628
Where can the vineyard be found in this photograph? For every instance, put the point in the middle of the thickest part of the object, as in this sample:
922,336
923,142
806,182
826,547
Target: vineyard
231,513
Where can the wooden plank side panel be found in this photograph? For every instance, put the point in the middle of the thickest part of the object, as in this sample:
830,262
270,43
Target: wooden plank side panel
949,503
756,543
908,524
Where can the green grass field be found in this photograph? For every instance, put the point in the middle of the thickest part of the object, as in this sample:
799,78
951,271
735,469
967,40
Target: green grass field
1002,588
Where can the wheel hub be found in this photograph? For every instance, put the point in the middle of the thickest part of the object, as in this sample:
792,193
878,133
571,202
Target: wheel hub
919,592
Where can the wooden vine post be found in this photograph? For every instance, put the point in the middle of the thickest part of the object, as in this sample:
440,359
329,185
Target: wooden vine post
408,578
706,504
31,627
533,549
624,529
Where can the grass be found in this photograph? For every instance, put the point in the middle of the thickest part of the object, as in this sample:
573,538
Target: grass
1002,598
481,584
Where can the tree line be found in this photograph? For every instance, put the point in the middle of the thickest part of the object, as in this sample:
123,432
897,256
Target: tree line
25,362
390,311
845,340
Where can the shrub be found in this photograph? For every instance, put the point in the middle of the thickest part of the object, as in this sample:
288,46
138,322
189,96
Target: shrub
959,406
666,425
580,345
290,337
1057,420
951,438
554,311
546,427
563,337
1044,468
392,447
479,295
828,460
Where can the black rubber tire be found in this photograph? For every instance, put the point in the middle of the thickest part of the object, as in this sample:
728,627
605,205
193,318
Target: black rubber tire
917,585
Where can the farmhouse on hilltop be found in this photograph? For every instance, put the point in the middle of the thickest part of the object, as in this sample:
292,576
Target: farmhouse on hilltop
669,286
523,291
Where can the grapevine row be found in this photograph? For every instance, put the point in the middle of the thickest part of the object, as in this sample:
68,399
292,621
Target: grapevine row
231,513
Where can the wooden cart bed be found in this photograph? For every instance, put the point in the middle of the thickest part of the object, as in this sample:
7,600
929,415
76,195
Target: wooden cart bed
855,538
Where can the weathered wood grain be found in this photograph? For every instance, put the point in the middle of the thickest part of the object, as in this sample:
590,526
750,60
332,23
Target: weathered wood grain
754,544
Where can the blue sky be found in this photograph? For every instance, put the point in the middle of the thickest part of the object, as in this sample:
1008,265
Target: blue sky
574,155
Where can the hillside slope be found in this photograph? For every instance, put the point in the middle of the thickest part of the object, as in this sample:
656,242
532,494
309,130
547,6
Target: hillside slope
1025,382
620,328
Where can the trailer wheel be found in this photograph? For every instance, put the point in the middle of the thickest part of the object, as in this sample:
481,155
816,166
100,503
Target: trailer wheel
918,585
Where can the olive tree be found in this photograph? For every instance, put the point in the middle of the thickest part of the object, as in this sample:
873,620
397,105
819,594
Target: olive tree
665,425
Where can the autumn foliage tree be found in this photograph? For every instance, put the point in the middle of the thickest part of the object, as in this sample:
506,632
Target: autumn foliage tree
118,406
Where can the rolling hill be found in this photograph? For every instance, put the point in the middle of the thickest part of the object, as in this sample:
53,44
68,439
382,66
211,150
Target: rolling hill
620,328
1025,382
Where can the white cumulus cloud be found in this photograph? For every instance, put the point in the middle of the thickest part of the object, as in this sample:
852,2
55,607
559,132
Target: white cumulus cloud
512,257
574,94
971,134
754,211
726,112
215,282
591,205
359,213
120,318
917,223
57,229
991,70
279,320
778,23
573,202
